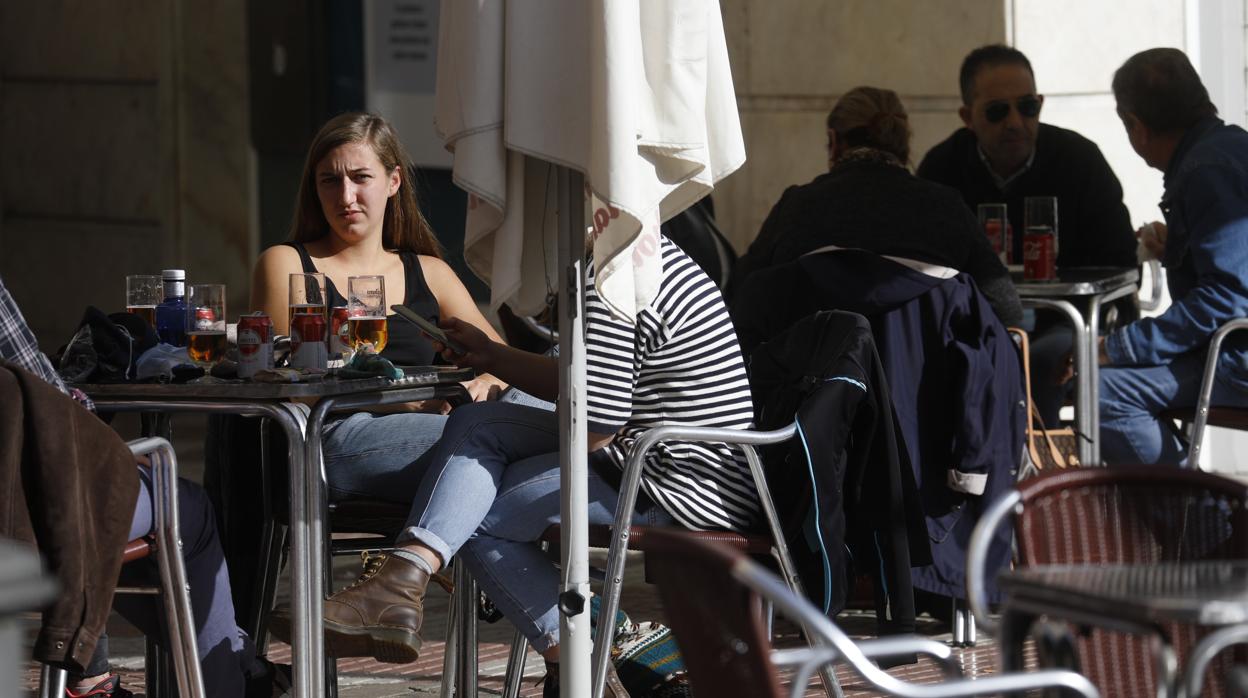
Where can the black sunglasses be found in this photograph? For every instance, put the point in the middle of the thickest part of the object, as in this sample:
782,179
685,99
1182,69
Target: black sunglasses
1028,107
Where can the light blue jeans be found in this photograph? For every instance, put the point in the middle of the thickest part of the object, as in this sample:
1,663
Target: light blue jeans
370,456
1133,396
490,489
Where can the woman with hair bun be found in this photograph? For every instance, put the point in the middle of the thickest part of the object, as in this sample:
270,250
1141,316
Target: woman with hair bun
869,199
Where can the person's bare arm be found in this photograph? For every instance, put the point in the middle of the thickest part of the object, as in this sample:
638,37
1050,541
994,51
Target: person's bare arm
270,284
454,301
535,374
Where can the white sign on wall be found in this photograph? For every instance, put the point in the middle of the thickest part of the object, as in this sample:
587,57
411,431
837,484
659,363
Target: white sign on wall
400,53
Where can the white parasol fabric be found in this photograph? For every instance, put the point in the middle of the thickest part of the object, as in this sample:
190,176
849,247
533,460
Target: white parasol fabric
636,95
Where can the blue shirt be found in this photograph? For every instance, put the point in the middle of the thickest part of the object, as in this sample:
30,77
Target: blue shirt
1206,256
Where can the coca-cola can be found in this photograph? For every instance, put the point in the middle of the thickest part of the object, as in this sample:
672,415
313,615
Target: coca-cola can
1039,256
307,342
255,344
339,332
204,318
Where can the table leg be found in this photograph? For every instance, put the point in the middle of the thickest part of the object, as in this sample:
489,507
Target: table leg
1013,629
305,644
1085,369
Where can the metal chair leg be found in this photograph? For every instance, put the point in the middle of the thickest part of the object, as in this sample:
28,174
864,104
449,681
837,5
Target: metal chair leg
465,600
52,682
515,666
450,651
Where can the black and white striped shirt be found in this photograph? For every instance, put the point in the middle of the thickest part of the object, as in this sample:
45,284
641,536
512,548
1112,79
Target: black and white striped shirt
681,364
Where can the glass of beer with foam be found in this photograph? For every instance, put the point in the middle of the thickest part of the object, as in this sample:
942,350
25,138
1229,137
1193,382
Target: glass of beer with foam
366,313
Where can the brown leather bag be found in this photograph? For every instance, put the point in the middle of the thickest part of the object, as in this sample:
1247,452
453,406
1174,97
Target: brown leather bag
1046,448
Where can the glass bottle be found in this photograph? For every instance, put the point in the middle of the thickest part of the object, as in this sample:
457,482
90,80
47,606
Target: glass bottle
171,313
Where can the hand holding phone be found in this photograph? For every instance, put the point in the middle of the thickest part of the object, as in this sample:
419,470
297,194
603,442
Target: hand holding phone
428,328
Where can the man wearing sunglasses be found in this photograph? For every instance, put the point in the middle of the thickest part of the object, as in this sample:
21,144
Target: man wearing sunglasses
1003,155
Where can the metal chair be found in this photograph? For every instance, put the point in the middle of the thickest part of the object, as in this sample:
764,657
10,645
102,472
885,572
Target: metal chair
165,543
622,534
1205,415
713,594
1134,514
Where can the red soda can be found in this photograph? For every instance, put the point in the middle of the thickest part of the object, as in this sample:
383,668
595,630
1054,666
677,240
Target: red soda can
204,318
255,344
307,342
1040,255
339,332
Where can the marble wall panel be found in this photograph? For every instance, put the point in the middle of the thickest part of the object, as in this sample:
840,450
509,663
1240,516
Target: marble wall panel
216,193
55,269
77,40
1075,46
80,150
803,47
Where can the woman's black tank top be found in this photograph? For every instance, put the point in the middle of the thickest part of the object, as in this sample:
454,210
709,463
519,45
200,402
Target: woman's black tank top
406,345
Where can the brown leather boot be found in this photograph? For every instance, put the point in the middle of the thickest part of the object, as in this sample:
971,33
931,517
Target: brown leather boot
380,615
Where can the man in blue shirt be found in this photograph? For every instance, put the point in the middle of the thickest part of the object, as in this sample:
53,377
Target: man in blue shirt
1156,363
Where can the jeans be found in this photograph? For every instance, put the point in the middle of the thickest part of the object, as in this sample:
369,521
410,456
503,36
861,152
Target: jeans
371,456
226,654
491,489
1133,396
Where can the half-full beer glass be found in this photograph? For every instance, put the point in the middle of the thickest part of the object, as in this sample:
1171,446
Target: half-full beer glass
366,312
143,294
205,324
307,297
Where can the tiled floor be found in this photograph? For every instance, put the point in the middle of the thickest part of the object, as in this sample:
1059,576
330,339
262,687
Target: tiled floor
364,678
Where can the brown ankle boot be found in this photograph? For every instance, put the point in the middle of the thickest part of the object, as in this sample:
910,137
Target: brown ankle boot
380,614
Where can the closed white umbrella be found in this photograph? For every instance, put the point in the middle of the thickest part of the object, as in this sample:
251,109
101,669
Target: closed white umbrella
542,102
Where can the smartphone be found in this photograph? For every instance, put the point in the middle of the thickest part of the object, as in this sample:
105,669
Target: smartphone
431,330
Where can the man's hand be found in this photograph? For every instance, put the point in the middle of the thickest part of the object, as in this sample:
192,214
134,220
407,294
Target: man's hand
1152,237
479,350
1102,355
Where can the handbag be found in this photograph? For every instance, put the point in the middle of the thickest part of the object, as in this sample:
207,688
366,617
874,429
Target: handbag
1046,448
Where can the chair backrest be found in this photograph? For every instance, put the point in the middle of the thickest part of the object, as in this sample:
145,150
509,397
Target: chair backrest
1133,514
718,622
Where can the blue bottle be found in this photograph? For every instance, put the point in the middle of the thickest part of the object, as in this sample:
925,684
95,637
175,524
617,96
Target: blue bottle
171,313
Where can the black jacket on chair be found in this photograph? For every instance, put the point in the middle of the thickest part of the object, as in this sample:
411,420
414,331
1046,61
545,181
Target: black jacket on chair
846,472
954,375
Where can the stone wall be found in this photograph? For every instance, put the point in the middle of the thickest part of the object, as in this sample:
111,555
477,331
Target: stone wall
123,149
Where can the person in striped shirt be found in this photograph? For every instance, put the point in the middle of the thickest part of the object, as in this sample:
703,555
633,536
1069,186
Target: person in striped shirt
492,483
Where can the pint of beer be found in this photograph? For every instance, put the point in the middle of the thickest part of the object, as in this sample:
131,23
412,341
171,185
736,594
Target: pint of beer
366,312
205,324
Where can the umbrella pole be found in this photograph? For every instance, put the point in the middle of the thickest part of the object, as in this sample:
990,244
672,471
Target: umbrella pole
575,638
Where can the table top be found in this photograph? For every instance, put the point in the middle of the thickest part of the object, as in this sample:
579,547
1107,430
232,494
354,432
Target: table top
416,376
1077,281
1203,593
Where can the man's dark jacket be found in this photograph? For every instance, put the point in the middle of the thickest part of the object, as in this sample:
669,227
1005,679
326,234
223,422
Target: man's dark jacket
67,486
1094,228
954,376
846,471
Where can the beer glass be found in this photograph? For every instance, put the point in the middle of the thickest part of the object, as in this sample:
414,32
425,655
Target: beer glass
366,312
996,226
143,294
307,296
205,324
